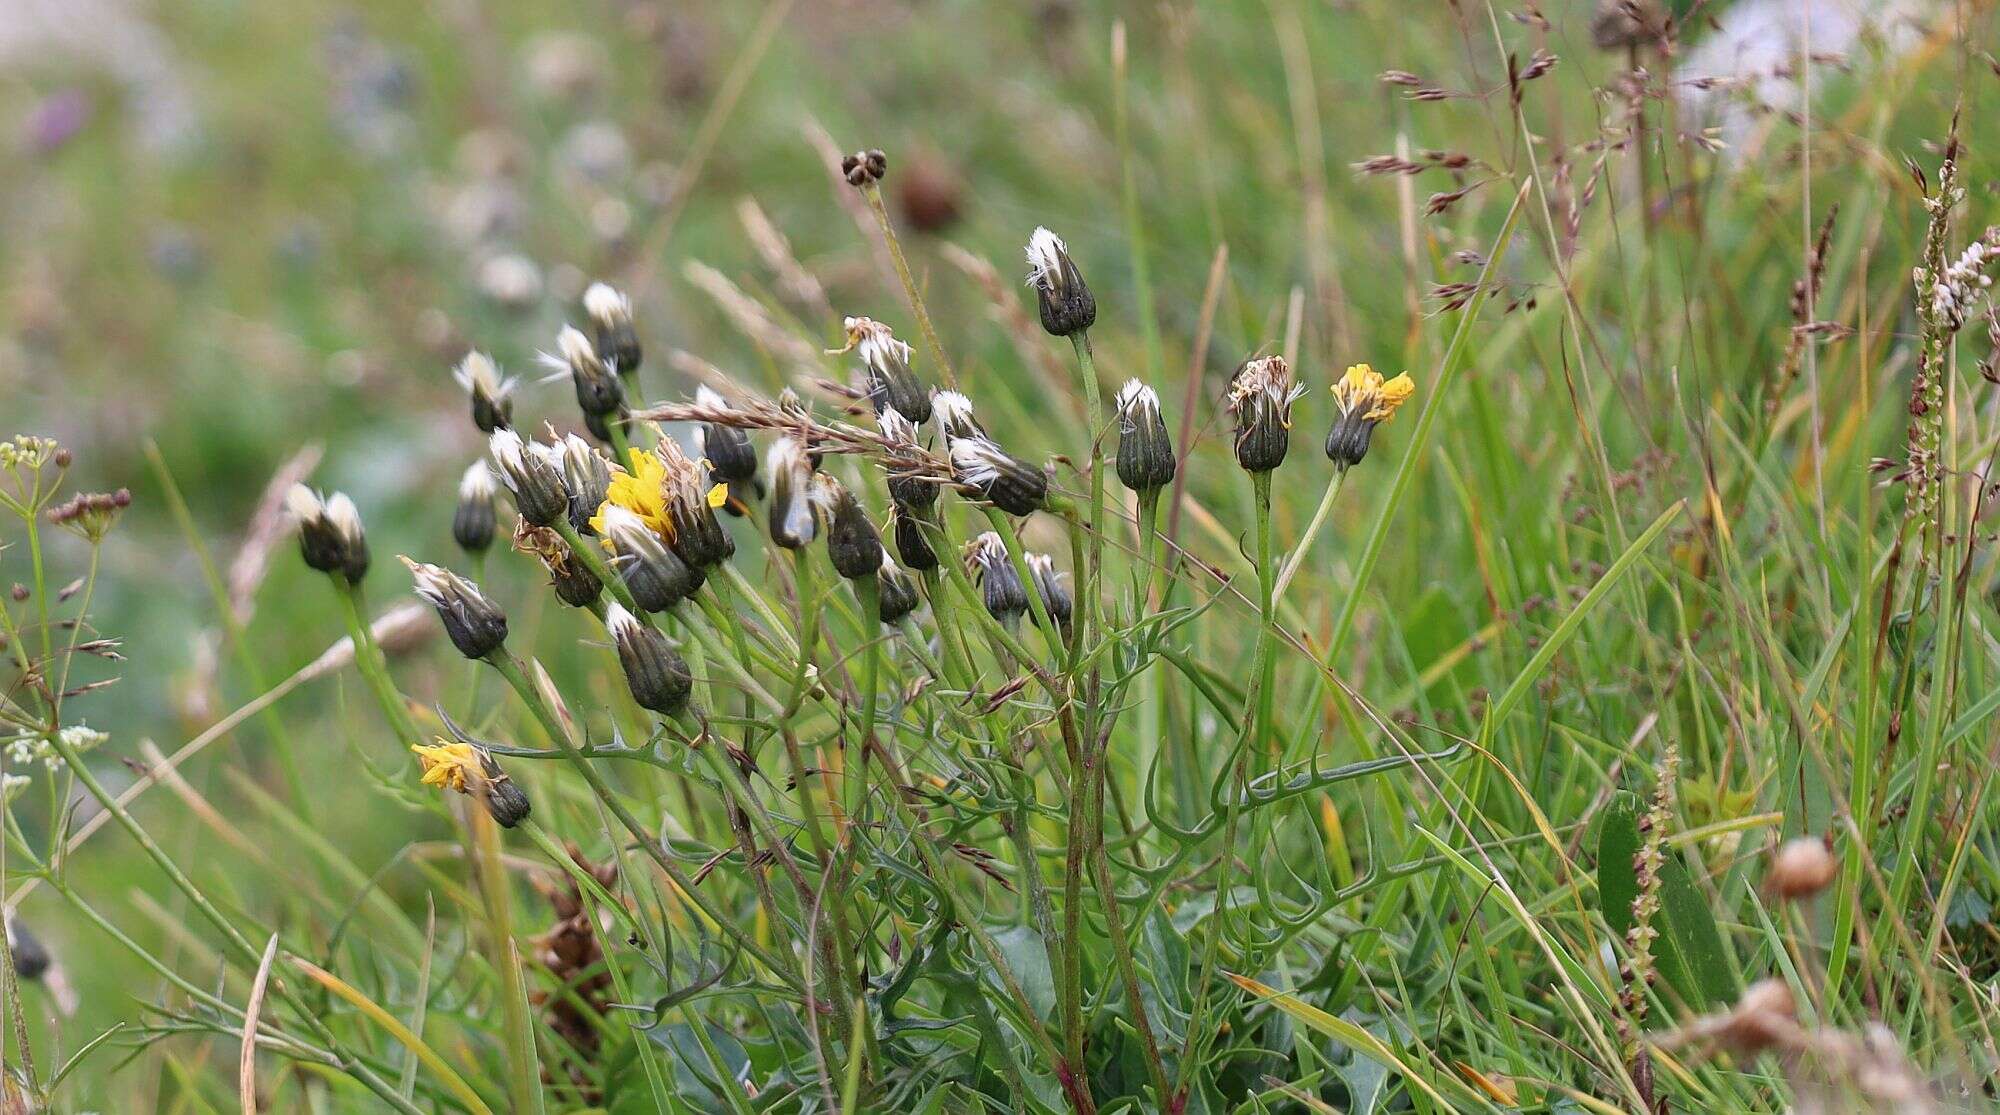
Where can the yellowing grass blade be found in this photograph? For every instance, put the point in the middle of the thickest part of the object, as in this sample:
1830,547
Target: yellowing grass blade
1339,1029
446,1075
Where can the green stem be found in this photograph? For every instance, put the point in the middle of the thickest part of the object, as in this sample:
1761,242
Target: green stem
874,195
374,667
1304,546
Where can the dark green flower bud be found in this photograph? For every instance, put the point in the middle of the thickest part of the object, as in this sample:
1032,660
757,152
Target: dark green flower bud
473,523
1145,452
587,475
610,314
330,535
492,397
1006,598
1066,302
503,798
954,415
730,455
534,478
573,581
600,425
911,544
999,477
852,542
1261,397
696,535
895,593
1056,597
885,362
31,958
598,391
476,625
907,488
656,576
654,671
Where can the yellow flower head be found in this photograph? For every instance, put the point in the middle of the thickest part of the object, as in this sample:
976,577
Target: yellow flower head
1363,389
642,490
449,766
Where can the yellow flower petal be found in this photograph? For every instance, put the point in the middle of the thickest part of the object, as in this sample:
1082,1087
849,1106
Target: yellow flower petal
446,765
718,495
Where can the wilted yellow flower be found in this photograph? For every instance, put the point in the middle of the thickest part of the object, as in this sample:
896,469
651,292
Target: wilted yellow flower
1363,389
447,766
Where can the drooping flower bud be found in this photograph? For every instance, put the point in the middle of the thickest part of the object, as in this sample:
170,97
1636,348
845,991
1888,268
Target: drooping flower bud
895,595
654,671
535,481
954,414
1365,399
492,397
1002,479
1261,397
587,475
1145,452
598,391
1056,597
330,535
852,542
791,514
473,522
610,313
1066,302
730,455
476,625
656,576
999,584
886,363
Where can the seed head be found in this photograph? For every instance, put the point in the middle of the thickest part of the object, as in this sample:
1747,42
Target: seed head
954,414
1800,868
610,314
476,625
1066,302
598,391
330,535
1145,451
492,396
792,521
529,473
472,524
730,455
1261,397
1365,399
999,477
864,168
655,673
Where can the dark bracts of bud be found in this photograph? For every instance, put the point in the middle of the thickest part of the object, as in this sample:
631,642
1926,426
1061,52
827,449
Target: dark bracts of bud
659,580
31,958
612,331
473,522
574,583
999,584
534,479
656,674
598,390
699,537
852,542
1067,306
331,538
731,457
895,594
600,425
475,625
1145,450
999,477
864,168
1056,597
504,800
1347,442
1261,396
911,544
792,521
